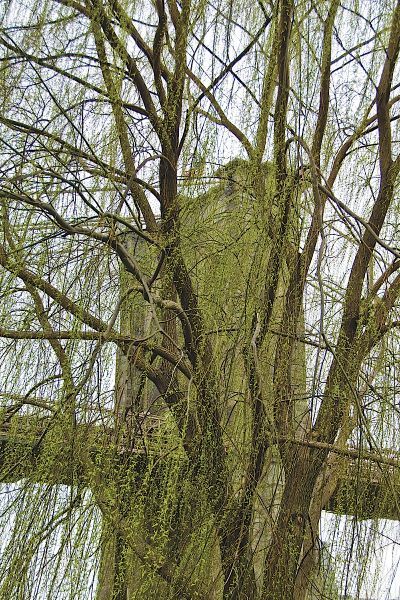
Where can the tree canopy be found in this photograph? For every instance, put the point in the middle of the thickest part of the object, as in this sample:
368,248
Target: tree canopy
199,317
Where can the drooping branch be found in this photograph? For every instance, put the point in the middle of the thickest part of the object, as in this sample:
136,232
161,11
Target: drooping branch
48,63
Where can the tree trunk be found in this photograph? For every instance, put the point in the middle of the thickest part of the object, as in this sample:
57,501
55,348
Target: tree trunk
112,580
282,562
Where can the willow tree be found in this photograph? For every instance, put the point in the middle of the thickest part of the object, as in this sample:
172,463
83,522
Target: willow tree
199,292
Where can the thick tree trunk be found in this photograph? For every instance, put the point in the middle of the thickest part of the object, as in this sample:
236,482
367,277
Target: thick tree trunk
112,577
236,554
282,562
